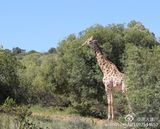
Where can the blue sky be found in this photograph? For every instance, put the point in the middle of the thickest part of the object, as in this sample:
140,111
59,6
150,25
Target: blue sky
41,24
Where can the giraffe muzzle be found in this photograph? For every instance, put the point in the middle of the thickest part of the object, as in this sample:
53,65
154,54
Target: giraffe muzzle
83,44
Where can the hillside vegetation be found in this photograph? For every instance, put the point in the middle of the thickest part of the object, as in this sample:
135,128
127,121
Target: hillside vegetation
68,76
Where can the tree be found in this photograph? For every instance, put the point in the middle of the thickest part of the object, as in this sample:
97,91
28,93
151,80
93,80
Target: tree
31,63
8,75
32,51
8,51
143,79
17,50
52,50
37,79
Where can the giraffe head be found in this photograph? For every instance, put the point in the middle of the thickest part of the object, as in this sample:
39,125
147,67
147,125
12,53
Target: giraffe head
91,42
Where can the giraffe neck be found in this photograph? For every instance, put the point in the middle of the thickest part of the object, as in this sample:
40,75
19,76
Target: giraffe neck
103,63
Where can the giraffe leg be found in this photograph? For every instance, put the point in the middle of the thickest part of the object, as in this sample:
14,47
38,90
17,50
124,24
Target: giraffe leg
112,109
109,104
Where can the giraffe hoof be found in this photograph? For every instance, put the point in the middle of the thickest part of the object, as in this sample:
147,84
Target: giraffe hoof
108,119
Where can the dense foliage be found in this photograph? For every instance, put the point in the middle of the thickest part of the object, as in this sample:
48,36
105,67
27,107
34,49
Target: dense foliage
69,75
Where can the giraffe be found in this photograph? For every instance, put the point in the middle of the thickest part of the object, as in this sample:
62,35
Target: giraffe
113,79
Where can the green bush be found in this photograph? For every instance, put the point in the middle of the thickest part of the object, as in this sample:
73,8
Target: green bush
9,102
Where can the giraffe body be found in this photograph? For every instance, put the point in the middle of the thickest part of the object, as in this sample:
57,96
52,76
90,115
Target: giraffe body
113,79
111,74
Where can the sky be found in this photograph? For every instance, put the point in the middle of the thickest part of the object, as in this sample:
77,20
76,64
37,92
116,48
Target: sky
42,24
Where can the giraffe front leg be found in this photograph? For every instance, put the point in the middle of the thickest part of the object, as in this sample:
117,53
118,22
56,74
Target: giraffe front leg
112,108
109,104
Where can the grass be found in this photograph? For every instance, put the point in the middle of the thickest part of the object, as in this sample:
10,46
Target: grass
68,118
53,110
56,118
9,122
